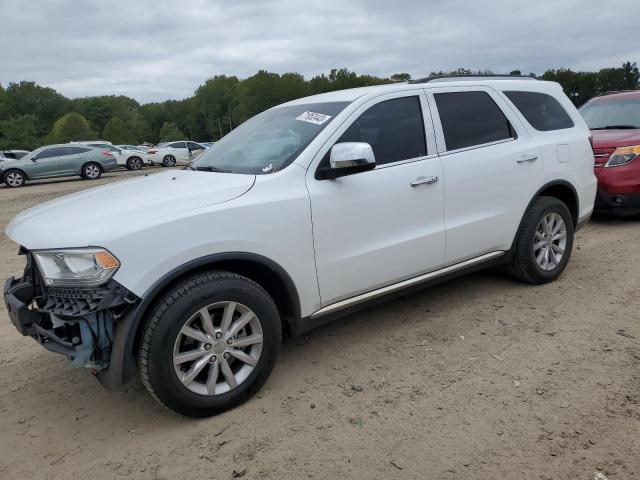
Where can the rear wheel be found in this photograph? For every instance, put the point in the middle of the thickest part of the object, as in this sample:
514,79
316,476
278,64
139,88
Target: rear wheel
91,171
209,344
169,161
14,178
543,243
134,163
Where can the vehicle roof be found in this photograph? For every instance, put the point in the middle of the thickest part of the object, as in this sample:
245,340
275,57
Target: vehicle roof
70,144
616,95
349,95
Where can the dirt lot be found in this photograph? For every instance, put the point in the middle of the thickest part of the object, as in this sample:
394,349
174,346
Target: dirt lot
477,378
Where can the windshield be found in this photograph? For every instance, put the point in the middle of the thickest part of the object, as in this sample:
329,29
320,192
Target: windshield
601,115
269,141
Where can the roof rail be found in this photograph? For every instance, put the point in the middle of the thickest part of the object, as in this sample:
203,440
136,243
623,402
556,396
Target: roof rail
473,76
611,92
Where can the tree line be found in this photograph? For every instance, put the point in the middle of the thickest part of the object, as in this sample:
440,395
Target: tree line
32,115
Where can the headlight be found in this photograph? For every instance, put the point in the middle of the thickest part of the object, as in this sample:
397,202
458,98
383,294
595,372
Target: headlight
82,267
622,156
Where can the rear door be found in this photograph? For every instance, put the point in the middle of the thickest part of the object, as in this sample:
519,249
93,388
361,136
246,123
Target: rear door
71,159
492,168
44,164
180,151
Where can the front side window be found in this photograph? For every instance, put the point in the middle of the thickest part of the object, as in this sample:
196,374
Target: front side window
542,111
269,141
47,153
393,128
471,118
194,146
612,114
177,145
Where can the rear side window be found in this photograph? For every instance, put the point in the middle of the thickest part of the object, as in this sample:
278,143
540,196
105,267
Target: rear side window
542,111
72,150
393,128
471,118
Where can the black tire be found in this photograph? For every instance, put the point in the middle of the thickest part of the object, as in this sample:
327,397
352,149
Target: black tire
14,178
173,310
524,266
91,171
134,163
169,161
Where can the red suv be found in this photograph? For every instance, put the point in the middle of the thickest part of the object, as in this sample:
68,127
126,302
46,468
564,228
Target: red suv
614,120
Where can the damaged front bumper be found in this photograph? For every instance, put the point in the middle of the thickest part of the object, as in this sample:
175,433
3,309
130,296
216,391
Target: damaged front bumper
78,323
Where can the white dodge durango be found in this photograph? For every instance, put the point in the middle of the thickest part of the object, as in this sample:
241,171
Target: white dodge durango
303,213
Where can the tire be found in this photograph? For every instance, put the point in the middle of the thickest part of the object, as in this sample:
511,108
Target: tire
163,340
14,178
91,171
134,163
528,264
169,161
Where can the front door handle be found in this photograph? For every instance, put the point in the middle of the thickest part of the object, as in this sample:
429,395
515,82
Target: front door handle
424,180
527,158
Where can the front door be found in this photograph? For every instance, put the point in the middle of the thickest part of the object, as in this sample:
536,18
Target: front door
44,164
378,227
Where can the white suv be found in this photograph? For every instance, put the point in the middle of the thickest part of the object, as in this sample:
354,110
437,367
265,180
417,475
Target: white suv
370,191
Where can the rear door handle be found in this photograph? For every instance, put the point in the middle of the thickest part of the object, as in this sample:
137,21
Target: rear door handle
424,180
527,158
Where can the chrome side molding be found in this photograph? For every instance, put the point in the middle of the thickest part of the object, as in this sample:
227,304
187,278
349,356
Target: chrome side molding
349,302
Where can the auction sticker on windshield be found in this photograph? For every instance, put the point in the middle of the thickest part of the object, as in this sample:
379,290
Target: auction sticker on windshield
313,117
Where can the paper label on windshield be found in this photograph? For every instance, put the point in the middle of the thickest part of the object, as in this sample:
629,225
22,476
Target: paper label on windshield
313,117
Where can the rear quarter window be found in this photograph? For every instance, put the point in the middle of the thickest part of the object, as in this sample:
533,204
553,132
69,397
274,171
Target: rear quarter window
542,111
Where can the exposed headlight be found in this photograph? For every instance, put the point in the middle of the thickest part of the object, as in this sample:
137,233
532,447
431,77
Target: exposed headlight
623,155
81,267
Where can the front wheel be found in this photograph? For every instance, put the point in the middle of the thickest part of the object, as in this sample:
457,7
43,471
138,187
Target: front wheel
544,242
91,171
14,178
209,344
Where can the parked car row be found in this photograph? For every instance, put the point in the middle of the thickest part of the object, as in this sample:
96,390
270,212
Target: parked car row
89,159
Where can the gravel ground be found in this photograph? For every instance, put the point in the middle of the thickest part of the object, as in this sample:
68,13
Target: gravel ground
477,378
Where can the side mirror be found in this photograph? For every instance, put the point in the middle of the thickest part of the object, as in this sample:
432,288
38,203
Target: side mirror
348,158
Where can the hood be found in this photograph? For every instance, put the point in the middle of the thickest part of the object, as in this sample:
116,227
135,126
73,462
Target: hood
615,138
7,163
99,214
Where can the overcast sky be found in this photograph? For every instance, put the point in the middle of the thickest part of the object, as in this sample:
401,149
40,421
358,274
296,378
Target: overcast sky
159,49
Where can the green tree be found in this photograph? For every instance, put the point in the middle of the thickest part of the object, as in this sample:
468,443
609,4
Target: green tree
27,98
117,132
20,132
169,132
400,77
70,127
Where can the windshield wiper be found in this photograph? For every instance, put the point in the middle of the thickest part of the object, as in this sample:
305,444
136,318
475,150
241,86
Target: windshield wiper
211,169
617,127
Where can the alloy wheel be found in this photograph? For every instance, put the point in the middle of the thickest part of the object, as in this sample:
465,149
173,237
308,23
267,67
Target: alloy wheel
14,179
217,348
550,241
92,171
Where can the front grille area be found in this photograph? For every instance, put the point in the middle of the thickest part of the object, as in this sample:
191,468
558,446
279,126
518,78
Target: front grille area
72,301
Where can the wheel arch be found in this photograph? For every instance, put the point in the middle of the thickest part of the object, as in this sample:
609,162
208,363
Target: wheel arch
264,271
563,191
95,162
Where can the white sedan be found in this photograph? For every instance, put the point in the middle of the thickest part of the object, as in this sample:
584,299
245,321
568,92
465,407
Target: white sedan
128,156
175,153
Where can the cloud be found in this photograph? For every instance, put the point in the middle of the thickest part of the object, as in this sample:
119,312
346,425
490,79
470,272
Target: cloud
159,49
